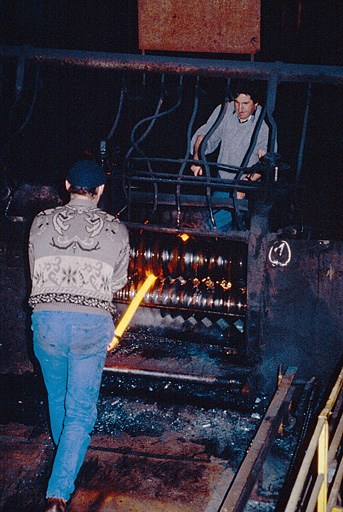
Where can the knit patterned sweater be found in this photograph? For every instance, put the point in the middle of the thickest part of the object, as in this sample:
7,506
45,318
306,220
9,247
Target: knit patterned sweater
78,258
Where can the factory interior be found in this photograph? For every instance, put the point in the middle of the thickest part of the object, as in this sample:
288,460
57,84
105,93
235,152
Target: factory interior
223,391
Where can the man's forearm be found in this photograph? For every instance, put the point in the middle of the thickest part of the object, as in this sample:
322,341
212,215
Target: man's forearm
197,144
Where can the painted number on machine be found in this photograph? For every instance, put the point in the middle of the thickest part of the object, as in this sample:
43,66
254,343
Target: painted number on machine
280,253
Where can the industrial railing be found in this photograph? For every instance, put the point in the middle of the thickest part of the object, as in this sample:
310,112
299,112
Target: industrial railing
317,485
272,73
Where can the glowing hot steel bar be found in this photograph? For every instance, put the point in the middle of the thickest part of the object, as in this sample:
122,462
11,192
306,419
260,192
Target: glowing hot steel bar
124,322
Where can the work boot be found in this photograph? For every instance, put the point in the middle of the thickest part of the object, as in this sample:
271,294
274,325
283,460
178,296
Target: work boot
55,505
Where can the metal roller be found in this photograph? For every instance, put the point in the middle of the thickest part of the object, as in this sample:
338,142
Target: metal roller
193,275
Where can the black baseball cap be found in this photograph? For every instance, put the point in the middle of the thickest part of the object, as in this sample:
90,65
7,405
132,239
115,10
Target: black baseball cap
86,173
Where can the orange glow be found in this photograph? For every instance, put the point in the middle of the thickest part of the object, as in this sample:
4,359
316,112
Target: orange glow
133,306
184,237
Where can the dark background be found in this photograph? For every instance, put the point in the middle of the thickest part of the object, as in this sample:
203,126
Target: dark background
306,31
64,113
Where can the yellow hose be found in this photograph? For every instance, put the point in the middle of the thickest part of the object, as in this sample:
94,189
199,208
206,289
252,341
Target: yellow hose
124,322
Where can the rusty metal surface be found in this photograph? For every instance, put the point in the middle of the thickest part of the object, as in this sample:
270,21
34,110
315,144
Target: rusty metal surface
119,473
217,26
25,463
181,65
144,455
302,314
238,236
245,478
148,354
145,474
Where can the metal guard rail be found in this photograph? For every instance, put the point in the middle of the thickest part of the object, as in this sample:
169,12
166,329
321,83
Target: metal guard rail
273,73
279,71
323,494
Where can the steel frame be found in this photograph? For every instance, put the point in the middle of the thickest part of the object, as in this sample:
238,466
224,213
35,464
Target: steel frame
242,485
322,495
278,71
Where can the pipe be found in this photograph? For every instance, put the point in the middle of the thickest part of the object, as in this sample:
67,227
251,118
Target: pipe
124,322
180,65
195,379
303,135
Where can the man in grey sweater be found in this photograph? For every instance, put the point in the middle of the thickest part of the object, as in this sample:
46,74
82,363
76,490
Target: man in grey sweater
78,258
233,134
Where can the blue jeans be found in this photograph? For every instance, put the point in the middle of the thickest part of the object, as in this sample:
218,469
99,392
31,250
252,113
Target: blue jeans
223,218
71,349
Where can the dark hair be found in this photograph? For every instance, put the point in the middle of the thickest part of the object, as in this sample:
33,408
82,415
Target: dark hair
248,87
82,191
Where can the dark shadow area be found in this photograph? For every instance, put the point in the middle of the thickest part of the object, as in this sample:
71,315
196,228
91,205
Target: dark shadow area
23,399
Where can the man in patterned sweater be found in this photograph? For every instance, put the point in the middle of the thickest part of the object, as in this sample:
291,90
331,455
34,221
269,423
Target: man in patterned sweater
78,258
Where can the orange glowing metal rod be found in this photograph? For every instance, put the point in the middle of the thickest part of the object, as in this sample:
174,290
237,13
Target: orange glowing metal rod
124,322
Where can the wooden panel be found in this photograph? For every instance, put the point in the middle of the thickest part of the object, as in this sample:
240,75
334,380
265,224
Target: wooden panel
217,26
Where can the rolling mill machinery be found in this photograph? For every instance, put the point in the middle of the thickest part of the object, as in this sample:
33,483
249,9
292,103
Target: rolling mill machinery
208,291
208,297
251,298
